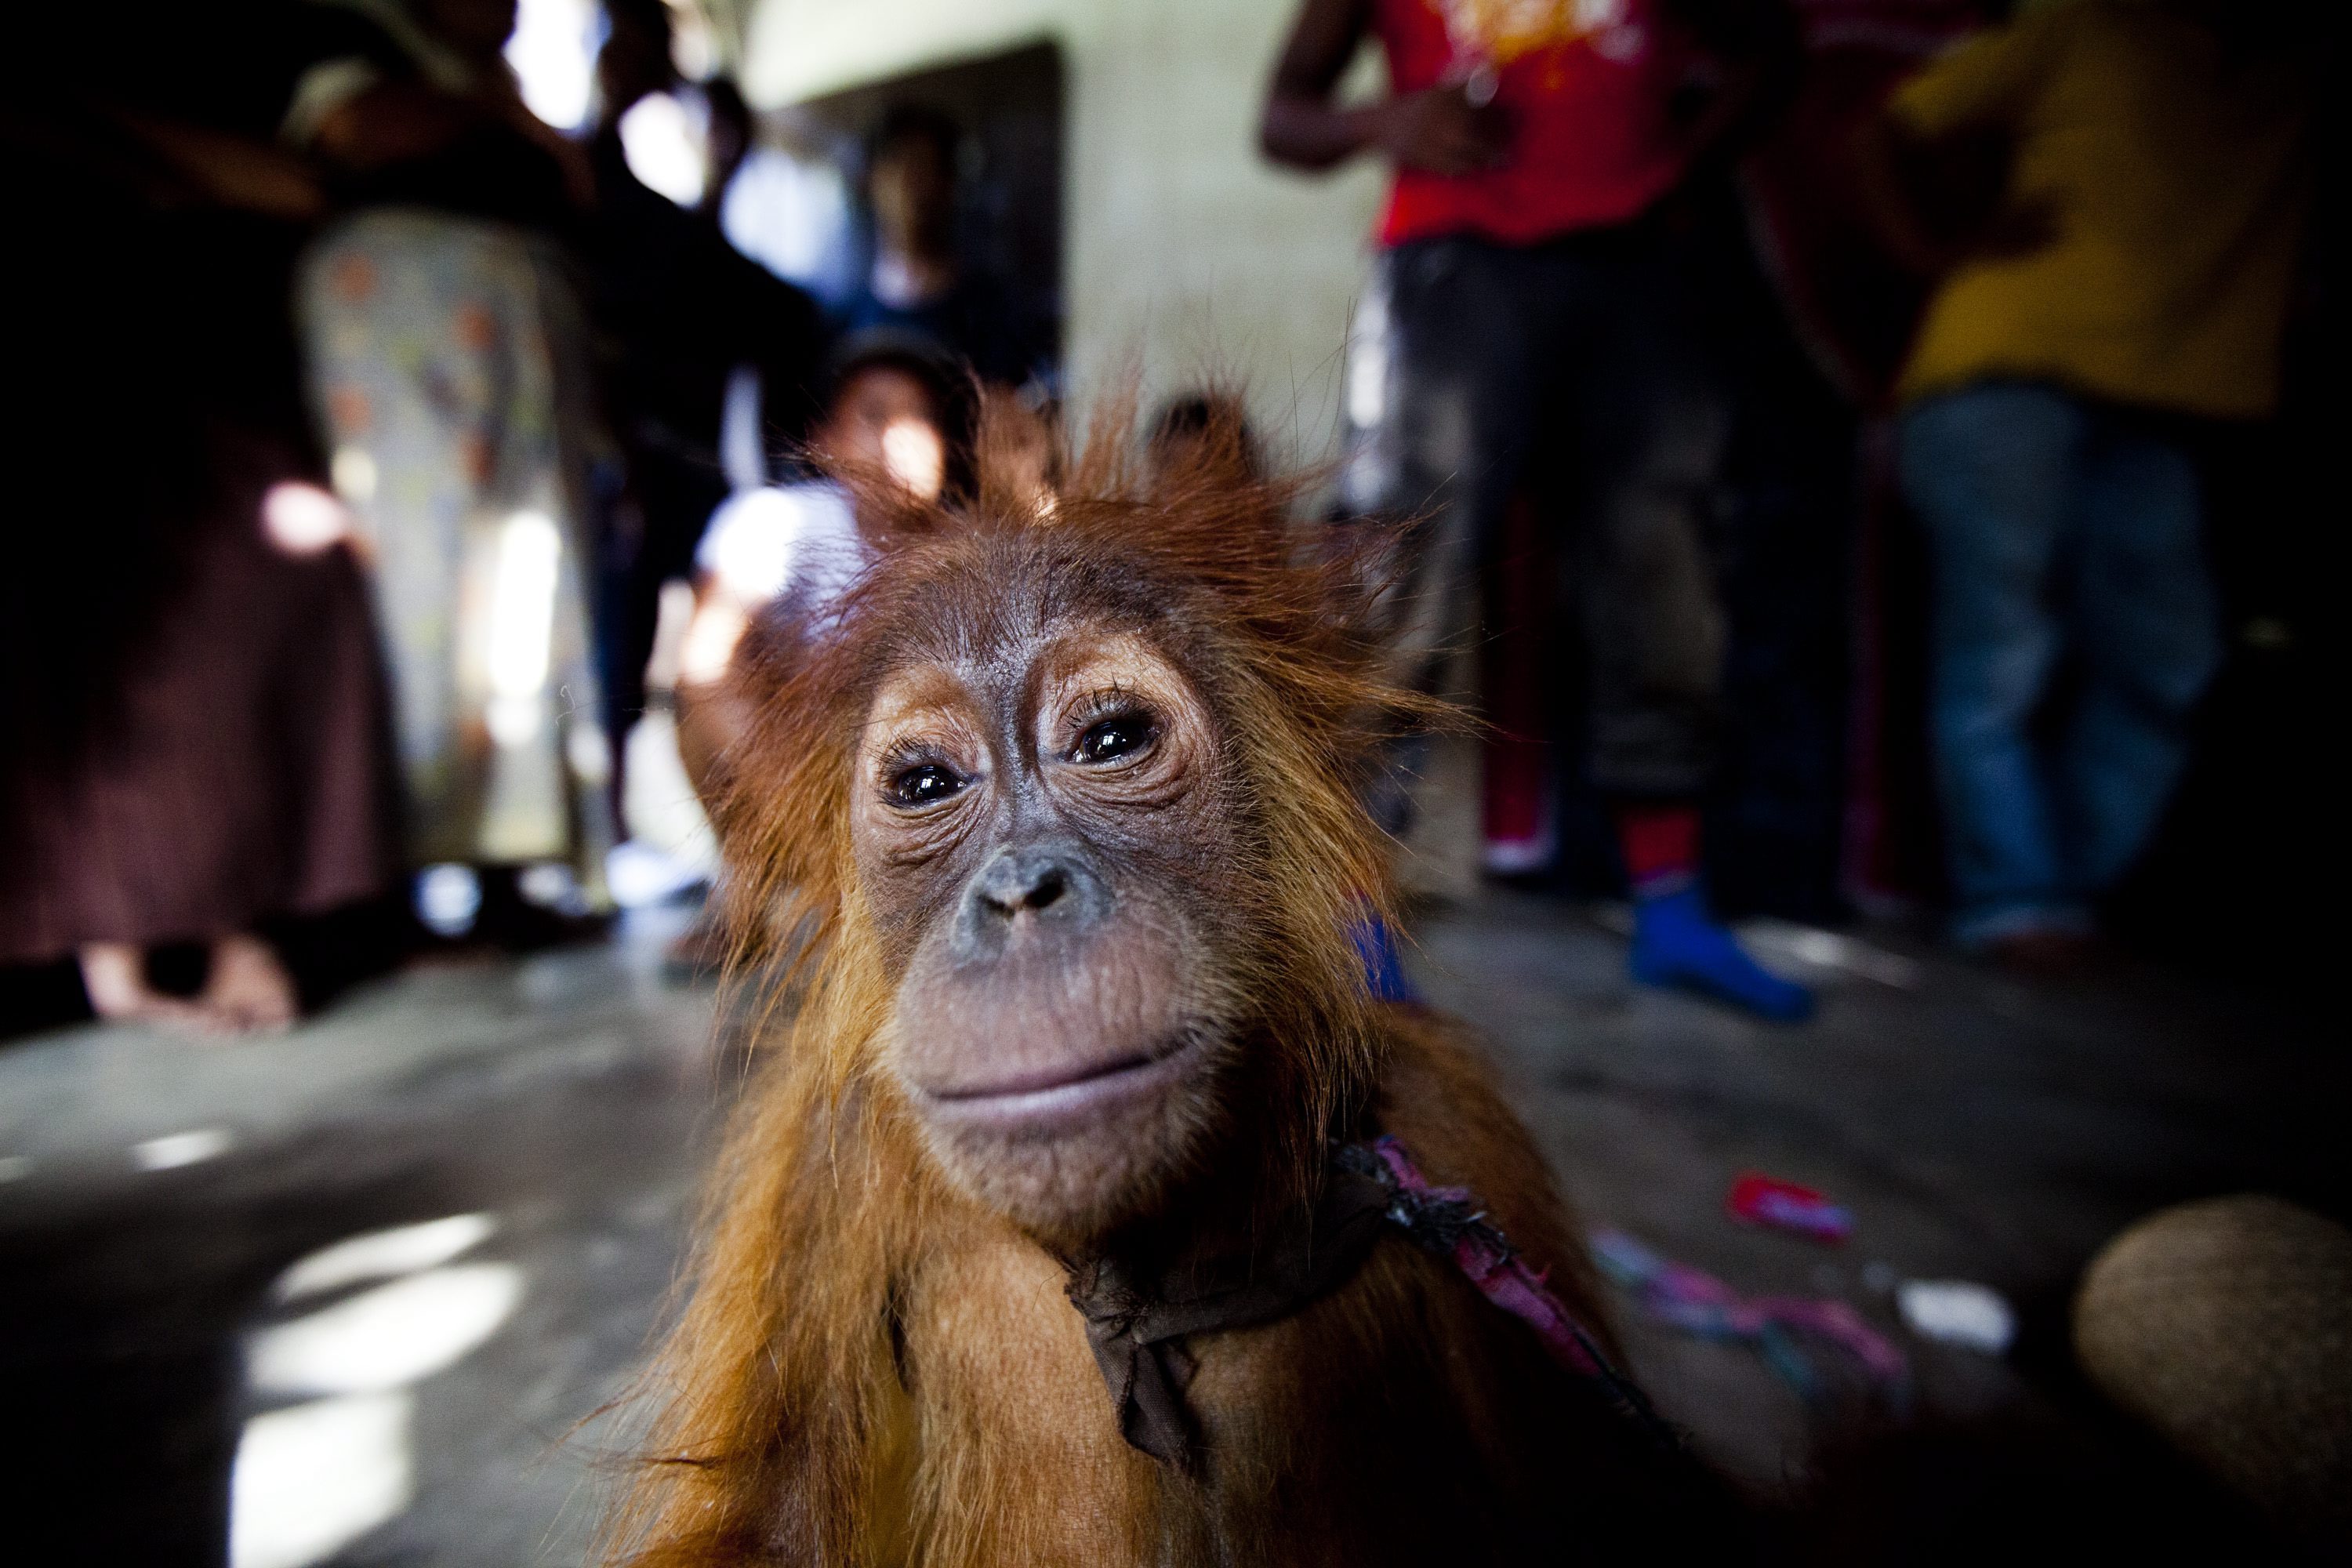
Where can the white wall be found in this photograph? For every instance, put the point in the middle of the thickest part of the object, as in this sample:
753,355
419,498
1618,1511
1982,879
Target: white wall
1186,255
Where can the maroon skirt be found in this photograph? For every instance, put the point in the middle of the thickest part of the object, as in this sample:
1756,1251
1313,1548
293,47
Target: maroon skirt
239,771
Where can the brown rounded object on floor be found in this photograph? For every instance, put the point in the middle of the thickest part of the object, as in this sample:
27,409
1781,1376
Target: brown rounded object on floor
2226,1325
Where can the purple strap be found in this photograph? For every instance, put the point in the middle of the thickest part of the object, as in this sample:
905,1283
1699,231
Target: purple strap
1498,1271
1446,1220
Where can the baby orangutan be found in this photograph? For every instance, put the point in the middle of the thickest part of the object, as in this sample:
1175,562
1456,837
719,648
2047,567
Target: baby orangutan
1066,1225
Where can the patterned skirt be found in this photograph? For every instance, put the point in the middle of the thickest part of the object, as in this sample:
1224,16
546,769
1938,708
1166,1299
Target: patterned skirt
447,362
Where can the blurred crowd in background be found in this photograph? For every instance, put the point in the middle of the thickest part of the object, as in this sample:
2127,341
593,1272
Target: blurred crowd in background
1867,453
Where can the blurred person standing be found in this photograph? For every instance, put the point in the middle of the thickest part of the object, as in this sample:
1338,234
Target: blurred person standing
896,415
920,282
1533,319
2128,290
896,412
688,328
192,727
448,362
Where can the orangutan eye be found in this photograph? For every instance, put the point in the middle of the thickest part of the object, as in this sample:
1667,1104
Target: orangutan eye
1120,735
926,783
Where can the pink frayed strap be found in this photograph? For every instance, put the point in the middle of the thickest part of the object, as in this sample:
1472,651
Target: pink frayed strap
1498,1271
1447,1220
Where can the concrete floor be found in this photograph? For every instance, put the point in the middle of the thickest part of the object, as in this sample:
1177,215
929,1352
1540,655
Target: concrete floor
152,1189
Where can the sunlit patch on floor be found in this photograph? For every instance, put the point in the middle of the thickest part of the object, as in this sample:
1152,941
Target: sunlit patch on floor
386,1337
384,1255
174,1150
313,1477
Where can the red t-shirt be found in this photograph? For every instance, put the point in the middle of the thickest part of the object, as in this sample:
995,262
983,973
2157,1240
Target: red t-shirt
1587,83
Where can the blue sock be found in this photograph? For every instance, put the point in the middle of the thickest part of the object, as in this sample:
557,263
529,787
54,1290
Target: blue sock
1375,944
1677,942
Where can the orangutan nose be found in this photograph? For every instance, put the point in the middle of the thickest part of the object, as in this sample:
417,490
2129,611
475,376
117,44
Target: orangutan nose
1049,884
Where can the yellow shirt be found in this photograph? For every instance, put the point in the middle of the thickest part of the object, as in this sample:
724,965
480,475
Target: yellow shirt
2178,177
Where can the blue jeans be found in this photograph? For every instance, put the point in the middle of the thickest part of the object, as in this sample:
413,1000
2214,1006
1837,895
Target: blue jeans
2060,529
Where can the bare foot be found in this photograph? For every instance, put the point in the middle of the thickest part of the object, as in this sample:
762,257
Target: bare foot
249,990
114,973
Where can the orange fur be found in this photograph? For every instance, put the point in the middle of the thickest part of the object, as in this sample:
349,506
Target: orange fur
871,1368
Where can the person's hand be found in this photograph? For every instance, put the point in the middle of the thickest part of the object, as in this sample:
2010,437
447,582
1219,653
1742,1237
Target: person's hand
1440,131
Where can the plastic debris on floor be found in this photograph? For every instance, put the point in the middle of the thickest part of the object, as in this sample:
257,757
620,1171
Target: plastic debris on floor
1956,1313
1776,1205
1789,1331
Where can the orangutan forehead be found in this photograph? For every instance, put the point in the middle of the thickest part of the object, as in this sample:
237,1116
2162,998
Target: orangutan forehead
1067,661
991,604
